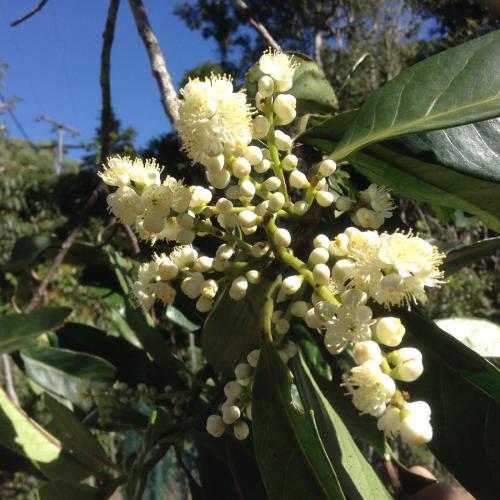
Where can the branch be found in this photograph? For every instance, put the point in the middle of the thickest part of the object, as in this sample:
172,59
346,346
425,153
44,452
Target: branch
244,11
168,94
107,110
32,12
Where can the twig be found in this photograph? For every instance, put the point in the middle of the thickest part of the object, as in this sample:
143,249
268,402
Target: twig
168,94
244,11
107,111
9,382
32,12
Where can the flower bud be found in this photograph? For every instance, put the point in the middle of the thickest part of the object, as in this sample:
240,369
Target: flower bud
284,106
324,310
324,198
340,245
282,326
321,274
233,192
408,364
340,270
367,350
389,331
242,371
241,167
247,189
415,427
292,284
232,390
246,218
298,180
260,101
209,288
204,304
289,163
253,357
200,197
299,308
241,430
282,141
223,205
276,202
191,285
228,221
260,127
343,204
215,163
249,230
253,155
219,180
215,426
311,319
238,288
300,207
253,276
272,183
318,256
185,236
282,238
327,167
263,166
266,86
321,241
231,414
225,251
167,269
259,249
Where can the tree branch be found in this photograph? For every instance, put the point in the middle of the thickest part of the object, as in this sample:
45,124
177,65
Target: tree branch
244,11
32,12
168,94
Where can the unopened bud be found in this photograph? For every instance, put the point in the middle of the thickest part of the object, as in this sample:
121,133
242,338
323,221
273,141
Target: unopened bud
324,198
318,256
266,86
299,308
232,390
231,414
241,430
389,331
321,274
246,218
242,371
260,127
272,183
367,350
321,241
238,288
241,167
284,106
343,204
282,141
292,284
298,180
408,364
215,425
253,276
282,238
327,167
253,357
276,202
289,163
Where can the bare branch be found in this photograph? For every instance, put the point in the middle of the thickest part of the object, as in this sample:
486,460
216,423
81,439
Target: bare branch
107,110
32,12
168,94
244,11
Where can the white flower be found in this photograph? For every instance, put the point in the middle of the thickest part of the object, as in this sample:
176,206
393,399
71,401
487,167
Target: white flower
390,422
213,118
379,199
125,204
126,172
352,324
374,388
415,423
279,67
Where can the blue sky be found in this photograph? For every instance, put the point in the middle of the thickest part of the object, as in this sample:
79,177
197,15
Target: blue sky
54,60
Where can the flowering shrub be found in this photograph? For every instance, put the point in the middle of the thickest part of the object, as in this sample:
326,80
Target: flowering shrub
305,289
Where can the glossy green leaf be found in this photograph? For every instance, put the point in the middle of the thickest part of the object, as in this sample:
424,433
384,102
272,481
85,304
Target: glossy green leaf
292,459
177,317
19,329
464,255
356,476
232,329
27,249
457,86
472,149
60,490
75,436
22,435
69,374
462,389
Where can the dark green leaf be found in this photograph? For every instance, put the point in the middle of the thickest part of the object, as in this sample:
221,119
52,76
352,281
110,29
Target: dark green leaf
291,457
75,436
66,373
178,318
60,490
462,389
27,249
115,415
24,436
464,255
356,476
457,86
19,329
232,329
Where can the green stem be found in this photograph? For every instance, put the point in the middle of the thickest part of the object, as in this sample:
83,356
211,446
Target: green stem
204,227
268,310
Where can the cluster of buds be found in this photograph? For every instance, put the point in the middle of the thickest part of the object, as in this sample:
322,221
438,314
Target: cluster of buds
261,191
236,410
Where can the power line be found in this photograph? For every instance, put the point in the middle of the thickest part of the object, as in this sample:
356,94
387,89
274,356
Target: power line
17,122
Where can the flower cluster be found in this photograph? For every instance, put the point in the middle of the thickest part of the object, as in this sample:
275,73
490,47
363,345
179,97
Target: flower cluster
261,192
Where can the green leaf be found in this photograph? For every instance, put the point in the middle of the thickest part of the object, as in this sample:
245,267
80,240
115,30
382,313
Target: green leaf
27,249
457,86
177,317
464,255
291,457
20,329
462,389
60,490
356,476
115,415
22,435
472,149
66,373
232,329
75,436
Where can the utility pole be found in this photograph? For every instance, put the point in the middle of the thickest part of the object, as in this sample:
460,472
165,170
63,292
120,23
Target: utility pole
60,128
